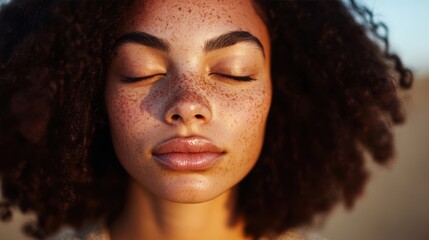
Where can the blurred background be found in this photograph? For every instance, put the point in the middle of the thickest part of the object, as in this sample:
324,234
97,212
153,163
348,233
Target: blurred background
396,203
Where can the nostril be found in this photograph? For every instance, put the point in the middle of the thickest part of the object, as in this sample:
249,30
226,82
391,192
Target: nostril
199,116
175,117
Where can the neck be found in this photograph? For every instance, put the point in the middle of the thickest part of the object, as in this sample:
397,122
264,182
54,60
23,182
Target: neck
148,217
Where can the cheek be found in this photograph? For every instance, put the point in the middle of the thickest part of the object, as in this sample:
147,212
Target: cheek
122,109
244,114
131,111
128,122
248,109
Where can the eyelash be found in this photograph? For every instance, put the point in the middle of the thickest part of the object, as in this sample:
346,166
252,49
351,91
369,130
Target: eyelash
137,79
237,78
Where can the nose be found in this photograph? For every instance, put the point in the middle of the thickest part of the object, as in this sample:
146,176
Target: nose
188,106
188,113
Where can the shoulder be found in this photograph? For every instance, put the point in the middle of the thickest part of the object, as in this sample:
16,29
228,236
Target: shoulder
89,232
98,232
298,235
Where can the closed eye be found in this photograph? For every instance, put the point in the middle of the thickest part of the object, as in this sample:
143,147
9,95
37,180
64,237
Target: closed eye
237,78
138,79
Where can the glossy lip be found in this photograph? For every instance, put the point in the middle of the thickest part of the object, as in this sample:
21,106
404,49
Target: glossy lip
187,153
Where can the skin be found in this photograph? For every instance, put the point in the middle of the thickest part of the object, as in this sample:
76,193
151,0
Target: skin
187,96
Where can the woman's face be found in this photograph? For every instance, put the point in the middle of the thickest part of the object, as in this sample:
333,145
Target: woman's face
187,95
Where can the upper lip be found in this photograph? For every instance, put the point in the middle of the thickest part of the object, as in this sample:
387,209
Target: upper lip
193,144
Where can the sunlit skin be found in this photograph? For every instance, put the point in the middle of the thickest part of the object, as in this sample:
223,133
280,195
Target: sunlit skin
220,94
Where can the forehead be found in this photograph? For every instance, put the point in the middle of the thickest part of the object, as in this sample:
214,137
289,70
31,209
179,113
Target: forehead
177,19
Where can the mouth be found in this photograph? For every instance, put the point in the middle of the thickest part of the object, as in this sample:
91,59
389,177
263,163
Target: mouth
187,154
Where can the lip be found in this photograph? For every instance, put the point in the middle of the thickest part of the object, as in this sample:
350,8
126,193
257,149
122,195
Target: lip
187,153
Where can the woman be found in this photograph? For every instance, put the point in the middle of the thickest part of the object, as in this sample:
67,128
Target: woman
190,119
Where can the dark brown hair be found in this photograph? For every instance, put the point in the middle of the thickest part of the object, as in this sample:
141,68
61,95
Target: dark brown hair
335,97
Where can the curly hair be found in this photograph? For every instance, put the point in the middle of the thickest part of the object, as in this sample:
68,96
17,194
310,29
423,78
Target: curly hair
335,98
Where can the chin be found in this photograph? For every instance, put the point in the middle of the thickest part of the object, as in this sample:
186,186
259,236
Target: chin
191,189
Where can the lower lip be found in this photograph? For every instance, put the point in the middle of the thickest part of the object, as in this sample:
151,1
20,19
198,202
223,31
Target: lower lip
188,161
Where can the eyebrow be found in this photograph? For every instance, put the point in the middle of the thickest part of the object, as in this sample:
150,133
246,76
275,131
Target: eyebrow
142,38
232,38
222,41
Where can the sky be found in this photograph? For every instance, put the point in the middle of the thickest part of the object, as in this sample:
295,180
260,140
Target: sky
408,22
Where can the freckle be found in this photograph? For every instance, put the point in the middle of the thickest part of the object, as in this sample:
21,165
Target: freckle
180,9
